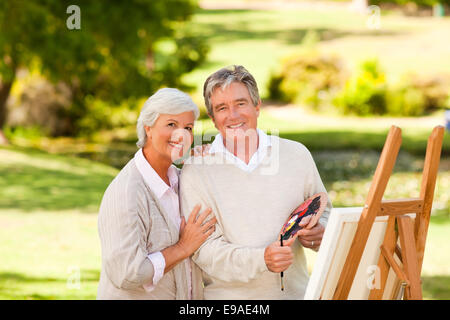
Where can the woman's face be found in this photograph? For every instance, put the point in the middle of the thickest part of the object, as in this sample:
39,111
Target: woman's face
171,136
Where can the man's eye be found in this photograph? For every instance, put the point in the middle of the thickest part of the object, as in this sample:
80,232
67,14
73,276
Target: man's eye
171,124
188,128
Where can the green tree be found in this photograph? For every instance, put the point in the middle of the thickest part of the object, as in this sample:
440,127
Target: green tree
116,53
418,2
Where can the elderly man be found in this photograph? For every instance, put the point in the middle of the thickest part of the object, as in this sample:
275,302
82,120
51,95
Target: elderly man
252,181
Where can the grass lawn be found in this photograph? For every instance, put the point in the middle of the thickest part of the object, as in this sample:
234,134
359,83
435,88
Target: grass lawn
257,39
49,199
48,218
48,226
45,252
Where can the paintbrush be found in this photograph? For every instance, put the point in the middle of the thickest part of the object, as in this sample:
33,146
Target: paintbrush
282,284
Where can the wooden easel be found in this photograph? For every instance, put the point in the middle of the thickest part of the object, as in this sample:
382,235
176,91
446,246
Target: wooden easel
412,236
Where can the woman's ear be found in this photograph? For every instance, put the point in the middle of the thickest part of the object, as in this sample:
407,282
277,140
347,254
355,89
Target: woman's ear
148,132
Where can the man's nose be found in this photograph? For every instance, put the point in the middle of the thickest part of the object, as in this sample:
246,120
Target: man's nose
234,113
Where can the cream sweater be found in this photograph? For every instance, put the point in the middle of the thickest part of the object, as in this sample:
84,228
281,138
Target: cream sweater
251,208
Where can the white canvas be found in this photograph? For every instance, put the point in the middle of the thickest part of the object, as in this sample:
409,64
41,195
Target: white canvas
333,251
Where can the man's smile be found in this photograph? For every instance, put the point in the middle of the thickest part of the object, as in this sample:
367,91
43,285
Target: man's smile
235,126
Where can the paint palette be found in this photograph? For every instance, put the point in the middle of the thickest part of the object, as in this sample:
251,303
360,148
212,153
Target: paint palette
314,206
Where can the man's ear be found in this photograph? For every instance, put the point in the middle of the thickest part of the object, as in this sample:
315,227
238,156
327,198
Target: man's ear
258,106
211,116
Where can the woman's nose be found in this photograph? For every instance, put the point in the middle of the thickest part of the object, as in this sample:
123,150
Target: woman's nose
179,135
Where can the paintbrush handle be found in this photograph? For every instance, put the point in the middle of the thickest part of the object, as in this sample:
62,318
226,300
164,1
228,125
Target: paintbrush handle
281,274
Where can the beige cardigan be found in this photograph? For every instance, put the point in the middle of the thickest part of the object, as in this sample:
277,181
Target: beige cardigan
132,224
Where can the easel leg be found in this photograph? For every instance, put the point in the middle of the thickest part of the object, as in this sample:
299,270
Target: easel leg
409,257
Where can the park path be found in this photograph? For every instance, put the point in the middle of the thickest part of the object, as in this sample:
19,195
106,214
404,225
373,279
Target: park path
271,5
291,112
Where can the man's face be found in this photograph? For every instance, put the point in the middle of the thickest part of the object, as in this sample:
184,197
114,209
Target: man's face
234,114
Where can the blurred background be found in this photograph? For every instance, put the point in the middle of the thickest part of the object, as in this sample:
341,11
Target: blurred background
333,75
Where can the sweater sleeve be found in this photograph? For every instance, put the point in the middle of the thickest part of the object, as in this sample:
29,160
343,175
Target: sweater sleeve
315,185
216,256
123,239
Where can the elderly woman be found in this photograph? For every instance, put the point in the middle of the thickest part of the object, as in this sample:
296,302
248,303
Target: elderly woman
146,244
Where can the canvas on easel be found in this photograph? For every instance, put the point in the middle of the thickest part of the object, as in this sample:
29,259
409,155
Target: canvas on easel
376,251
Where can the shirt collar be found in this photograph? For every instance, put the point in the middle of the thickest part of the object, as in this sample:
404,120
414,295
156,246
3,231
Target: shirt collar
218,146
152,179
264,143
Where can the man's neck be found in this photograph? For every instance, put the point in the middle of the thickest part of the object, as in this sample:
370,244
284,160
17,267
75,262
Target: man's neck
243,148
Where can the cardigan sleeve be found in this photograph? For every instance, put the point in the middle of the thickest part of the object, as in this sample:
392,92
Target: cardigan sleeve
216,256
315,185
123,236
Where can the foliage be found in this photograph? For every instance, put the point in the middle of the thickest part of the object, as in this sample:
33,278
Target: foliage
365,92
54,200
435,89
305,77
368,92
115,54
101,115
405,101
418,2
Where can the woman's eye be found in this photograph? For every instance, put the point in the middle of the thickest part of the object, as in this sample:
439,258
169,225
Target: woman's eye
171,124
188,128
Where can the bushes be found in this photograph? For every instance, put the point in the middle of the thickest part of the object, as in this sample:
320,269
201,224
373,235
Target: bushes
102,115
306,78
369,93
418,2
406,101
316,81
365,93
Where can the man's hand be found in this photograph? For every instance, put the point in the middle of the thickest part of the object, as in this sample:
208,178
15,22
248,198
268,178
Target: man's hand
310,238
278,258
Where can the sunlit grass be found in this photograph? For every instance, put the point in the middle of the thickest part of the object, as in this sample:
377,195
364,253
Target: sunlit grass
50,234
43,253
258,39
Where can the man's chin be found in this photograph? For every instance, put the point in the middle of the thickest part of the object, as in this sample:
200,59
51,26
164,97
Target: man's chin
239,132
238,136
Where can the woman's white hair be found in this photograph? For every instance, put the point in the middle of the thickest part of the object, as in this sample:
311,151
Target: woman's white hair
164,101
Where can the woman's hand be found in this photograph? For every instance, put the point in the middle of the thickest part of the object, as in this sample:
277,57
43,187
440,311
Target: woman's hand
192,234
196,230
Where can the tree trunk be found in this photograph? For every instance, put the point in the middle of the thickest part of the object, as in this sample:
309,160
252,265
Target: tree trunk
5,89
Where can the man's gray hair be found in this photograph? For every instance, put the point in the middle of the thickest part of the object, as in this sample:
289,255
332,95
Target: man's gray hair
163,101
224,77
